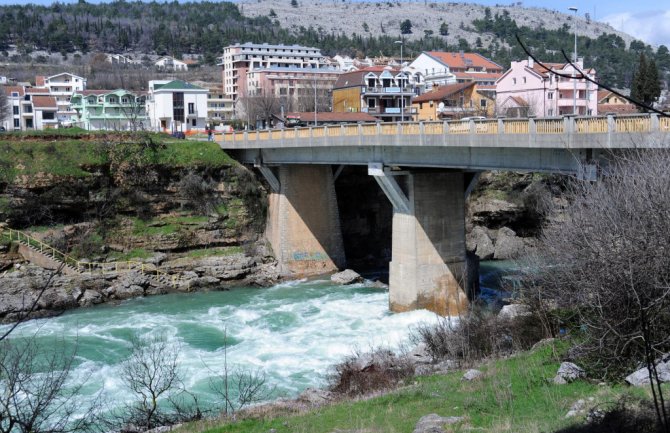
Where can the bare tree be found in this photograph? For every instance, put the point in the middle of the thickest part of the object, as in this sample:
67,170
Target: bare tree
152,374
260,107
36,392
607,262
238,387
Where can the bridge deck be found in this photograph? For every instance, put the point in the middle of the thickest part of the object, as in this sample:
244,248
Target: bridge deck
546,144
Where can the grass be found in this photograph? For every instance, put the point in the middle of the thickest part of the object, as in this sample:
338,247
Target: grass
72,153
219,251
515,395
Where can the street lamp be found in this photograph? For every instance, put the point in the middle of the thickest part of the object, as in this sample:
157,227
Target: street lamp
574,59
402,96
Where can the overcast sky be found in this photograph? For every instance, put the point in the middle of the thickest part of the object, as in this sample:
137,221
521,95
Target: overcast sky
648,20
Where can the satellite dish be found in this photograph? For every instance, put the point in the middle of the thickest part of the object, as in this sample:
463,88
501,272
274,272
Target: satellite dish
440,106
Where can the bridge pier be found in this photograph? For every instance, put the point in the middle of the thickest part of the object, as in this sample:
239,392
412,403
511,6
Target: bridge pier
303,224
429,266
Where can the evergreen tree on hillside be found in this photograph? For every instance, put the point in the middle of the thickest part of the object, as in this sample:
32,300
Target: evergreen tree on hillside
406,27
646,86
444,29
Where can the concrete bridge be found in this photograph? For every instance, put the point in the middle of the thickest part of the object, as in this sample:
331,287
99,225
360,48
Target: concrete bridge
426,169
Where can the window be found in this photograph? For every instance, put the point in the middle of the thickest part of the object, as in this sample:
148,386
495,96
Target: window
17,123
178,106
524,80
372,103
191,108
590,112
48,116
513,80
193,122
550,112
15,94
16,110
550,95
482,103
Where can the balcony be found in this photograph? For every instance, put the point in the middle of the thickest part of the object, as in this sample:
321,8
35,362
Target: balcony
388,90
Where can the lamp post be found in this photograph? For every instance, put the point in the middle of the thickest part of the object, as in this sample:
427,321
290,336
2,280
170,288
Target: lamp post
574,59
402,96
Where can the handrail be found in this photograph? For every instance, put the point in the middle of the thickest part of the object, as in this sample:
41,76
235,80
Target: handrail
642,123
85,266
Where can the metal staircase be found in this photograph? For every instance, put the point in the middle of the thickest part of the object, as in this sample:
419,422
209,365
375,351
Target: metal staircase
71,265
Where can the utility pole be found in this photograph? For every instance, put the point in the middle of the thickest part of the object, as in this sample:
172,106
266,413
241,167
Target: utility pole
402,90
574,78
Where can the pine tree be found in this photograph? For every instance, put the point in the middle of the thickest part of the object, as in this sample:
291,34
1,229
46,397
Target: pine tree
646,86
444,29
406,27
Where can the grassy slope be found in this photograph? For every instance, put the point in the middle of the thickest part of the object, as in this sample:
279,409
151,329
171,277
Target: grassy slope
516,395
66,154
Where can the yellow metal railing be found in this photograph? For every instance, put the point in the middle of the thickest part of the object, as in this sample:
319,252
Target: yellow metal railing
633,124
87,267
550,126
516,126
579,125
591,125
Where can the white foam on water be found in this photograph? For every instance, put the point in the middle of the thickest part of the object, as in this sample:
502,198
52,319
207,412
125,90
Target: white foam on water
294,332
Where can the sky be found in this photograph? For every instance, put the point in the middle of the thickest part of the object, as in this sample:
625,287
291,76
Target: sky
648,20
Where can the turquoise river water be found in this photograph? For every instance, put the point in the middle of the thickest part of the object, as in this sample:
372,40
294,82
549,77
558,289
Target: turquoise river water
293,332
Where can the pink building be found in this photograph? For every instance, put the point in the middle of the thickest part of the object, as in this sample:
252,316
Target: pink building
530,89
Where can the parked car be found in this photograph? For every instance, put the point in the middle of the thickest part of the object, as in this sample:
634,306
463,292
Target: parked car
473,118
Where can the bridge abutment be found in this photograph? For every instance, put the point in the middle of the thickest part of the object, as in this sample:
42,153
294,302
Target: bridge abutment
428,266
303,221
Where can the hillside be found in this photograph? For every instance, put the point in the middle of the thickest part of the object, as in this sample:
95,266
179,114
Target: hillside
384,18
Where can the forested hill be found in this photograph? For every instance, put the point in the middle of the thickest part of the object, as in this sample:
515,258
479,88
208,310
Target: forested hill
204,28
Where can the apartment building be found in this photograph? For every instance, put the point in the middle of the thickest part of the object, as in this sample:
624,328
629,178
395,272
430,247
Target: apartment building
176,106
220,106
30,108
528,88
62,86
117,110
438,68
381,91
241,59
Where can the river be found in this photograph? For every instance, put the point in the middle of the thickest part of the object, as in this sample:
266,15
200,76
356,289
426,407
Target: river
293,332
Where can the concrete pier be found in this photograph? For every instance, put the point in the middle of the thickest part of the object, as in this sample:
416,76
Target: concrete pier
303,221
428,267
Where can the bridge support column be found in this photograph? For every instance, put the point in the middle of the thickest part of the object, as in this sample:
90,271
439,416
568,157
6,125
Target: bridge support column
428,265
303,222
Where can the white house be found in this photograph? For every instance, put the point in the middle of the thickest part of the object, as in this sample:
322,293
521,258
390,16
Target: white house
62,86
120,59
176,106
168,63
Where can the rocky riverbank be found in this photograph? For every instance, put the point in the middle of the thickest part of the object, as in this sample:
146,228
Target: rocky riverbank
23,284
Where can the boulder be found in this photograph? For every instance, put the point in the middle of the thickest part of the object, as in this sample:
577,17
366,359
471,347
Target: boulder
346,277
420,355
568,372
513,311
508,245
90,297
435,423
479,242
641,376
315,397
472,374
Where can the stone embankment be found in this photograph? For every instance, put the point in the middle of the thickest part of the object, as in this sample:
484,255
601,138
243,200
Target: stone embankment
23,284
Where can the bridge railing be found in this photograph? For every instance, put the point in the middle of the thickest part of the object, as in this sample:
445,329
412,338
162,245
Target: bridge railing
639,123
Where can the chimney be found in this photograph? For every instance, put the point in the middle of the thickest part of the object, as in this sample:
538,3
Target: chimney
531,63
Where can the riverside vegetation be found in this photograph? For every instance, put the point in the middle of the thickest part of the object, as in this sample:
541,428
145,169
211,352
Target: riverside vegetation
185,207
391,392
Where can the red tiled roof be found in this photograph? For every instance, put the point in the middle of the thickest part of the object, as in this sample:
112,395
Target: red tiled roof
40,80
617,108
602,94
37,90
44,102
478,75
357,78
464,60
190,62
10,89
333,117
518,100
443,92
